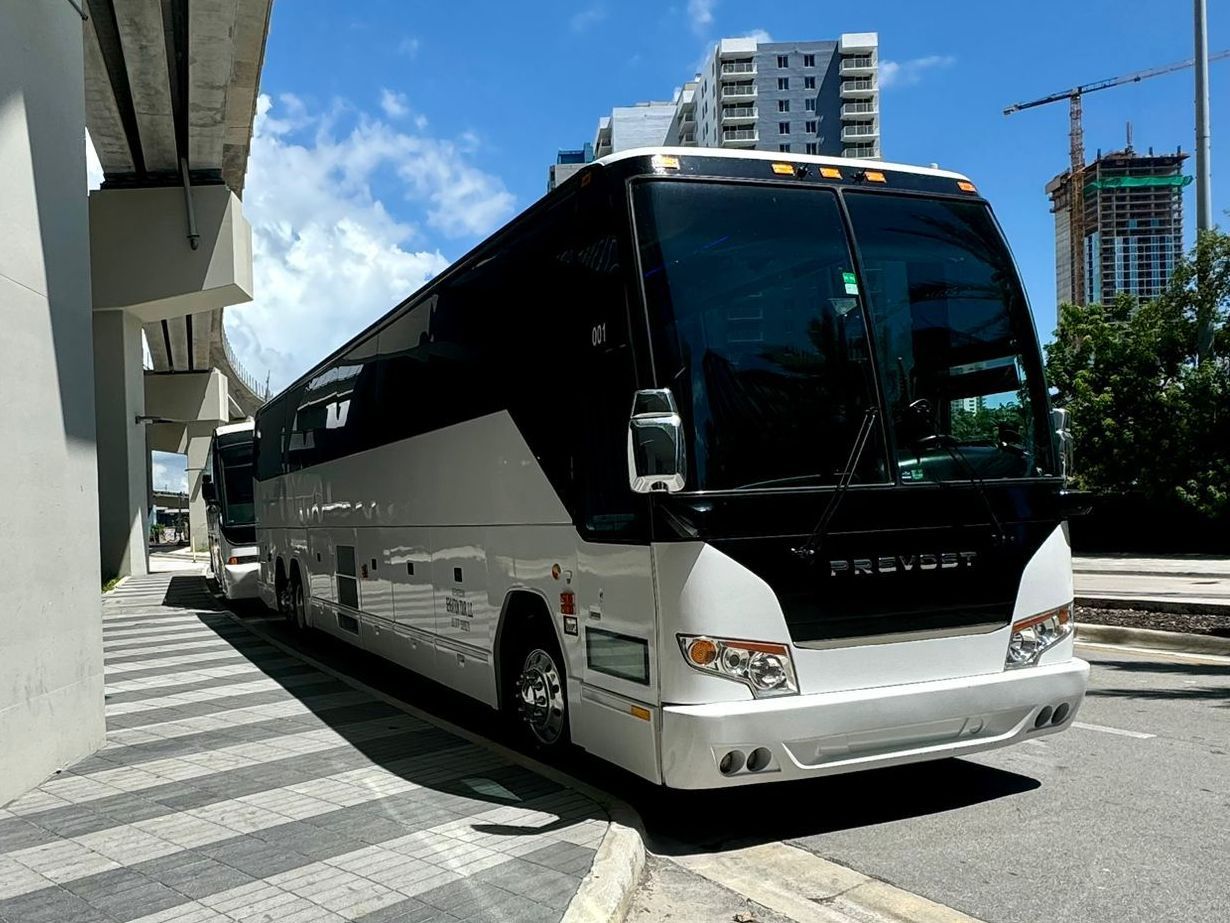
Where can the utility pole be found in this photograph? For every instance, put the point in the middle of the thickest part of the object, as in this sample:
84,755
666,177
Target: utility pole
1204,194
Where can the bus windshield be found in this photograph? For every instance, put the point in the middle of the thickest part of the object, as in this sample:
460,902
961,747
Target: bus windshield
235,461
760,327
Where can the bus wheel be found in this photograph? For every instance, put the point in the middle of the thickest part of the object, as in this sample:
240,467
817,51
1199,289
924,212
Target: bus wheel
540,694
298,604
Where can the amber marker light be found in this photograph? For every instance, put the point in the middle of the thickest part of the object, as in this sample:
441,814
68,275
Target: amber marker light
783,169
702,652
966,186
874,176
640,712
830,173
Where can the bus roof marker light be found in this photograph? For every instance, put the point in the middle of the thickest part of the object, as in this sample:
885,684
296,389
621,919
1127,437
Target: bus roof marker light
966,186
783,169
662,162
830,173
874,176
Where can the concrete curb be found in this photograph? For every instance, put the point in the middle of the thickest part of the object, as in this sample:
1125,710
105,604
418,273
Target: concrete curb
604,894
1151,604
808,888
1149,638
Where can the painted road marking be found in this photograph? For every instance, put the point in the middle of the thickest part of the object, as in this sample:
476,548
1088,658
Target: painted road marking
1105,730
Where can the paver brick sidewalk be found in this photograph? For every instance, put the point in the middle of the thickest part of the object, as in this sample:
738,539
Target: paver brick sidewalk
238,783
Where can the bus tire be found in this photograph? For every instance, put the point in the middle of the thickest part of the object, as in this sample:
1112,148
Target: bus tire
537,693
281,590
297,613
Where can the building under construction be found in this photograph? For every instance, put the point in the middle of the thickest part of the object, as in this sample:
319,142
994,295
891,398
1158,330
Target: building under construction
1133,226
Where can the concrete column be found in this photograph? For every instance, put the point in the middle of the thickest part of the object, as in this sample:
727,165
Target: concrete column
119,398
198,448
51,672
195,404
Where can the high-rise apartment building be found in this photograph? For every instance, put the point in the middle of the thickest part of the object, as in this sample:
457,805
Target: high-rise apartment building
820,97
795,97
1133,226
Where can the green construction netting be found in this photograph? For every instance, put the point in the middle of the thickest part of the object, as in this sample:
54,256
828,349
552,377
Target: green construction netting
1122,182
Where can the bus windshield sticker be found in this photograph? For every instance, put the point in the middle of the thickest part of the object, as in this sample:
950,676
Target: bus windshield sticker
851,283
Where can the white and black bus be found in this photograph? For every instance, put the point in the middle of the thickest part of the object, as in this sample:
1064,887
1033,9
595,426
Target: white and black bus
726,466
227,486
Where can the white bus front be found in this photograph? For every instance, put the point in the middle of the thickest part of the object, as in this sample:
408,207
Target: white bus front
229,510
863,562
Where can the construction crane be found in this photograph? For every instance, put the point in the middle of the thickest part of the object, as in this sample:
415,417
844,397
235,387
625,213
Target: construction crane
1076,150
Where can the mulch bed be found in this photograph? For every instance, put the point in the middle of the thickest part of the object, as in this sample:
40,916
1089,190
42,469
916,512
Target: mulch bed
1218,625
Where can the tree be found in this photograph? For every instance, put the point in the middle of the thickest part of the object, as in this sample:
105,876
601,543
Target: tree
1148,386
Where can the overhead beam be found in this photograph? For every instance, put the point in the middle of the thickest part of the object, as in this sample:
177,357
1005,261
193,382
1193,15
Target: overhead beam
177,330
157,341
210,53
143,39
202,335
251,31
103,110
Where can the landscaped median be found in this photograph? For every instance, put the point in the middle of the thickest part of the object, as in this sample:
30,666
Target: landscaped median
1172,625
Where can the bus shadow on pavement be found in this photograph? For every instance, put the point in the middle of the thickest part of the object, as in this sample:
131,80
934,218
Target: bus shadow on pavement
189,592
1214,690
675,822
679,823
451,778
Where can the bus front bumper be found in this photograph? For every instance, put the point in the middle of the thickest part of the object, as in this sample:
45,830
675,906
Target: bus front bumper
805,736
241,579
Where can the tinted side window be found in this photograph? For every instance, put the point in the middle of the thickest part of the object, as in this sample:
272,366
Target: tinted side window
270,438
406,394
467,354
336,411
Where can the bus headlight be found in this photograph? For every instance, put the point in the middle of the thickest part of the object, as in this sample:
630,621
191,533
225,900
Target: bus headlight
765,668
1037,634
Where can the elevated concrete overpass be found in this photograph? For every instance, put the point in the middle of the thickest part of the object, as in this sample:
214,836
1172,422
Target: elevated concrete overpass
170,97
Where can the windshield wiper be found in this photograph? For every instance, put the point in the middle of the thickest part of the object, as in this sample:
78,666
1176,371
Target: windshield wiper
809,549
953,446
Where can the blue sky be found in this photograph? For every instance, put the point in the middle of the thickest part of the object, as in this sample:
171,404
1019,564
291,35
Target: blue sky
394,134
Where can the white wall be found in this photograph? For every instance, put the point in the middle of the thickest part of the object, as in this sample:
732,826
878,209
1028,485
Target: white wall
51,696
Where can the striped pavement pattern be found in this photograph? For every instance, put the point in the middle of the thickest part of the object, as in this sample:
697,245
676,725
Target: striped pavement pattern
240,784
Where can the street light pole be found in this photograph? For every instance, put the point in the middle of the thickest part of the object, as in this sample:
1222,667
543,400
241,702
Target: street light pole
1204,194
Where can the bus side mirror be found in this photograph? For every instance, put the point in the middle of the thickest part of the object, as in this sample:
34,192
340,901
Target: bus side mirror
656,457
207,489
1061,422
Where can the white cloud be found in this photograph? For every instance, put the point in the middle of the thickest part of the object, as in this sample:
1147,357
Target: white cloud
93,167
409,46
700,12
169,471
588,17
328,256
908,73
760,35
394,104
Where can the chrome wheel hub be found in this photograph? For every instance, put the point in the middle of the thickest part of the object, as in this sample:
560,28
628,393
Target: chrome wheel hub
540,696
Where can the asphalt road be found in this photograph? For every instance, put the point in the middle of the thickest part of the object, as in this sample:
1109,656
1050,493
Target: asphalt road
1124,817
1090,825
